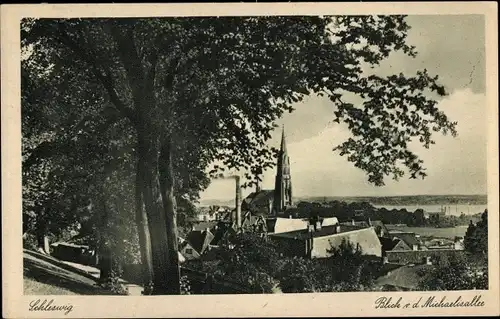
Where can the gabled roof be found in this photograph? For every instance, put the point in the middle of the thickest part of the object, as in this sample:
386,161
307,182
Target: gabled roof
251,220
408,238
329,221
387,243
200,240
183,251
283,225
223,230
366,238
405,277
324,231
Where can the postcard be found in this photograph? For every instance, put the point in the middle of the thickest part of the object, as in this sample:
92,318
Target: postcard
250,159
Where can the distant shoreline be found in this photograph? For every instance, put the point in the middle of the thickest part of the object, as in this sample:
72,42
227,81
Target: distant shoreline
399,200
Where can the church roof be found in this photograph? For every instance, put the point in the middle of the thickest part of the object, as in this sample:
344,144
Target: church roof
259,196
258,201
283,142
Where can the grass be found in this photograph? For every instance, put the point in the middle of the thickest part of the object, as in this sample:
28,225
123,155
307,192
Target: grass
43,277
33,287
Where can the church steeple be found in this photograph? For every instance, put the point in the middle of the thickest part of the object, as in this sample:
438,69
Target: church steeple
283,184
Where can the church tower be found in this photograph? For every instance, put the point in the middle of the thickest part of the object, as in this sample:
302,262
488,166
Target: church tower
283,184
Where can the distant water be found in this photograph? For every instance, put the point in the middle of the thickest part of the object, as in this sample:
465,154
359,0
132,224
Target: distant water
449,232
451,209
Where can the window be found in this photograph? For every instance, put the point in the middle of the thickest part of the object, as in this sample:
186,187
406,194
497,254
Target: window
189,251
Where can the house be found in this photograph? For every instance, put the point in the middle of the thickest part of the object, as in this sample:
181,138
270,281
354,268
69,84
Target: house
282,225
402,278
434,216
388,244
406,241
205,214
361,224
255,223
440,243
329,221
223,233
317,241
187,251
199,240
459,244
204,225
259,202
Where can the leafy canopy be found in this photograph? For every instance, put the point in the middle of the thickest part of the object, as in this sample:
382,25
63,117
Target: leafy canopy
220,83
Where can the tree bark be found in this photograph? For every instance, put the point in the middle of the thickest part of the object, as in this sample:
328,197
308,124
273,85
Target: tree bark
41,233
169,206
149,152
141,219
105,259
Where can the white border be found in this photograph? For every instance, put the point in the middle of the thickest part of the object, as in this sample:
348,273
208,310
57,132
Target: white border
300,305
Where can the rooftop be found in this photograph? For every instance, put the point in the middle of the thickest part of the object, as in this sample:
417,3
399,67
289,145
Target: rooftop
407,277
324,231
408,238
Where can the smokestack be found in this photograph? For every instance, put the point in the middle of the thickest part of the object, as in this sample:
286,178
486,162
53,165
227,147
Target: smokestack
237,201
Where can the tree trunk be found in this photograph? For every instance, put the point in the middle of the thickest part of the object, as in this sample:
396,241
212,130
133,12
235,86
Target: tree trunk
41,234
105,263
169,205
104,251
141,219
148,152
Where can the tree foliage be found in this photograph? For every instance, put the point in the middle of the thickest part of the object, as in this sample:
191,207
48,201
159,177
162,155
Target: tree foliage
238,75
456,273
476,237
260,265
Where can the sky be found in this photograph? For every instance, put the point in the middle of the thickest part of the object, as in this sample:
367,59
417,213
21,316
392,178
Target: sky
449,46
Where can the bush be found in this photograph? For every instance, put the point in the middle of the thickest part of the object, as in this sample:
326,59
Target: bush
456,273
185,286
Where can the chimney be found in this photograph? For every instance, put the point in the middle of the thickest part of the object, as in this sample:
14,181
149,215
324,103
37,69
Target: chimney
318,225
352,222
337,229
369,222
290,216
310,228
237,201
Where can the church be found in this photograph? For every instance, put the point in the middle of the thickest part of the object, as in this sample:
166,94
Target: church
274,202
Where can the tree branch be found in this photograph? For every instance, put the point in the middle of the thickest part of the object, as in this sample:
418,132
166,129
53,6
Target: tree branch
102,73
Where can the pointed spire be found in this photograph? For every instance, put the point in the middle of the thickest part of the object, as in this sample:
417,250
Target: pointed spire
283,142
